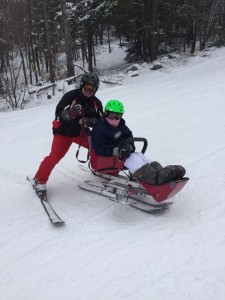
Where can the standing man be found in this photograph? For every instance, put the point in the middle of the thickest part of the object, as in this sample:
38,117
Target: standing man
78,110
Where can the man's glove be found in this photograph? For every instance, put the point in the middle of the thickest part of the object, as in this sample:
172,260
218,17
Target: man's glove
71,113
123,151
75,110
88,122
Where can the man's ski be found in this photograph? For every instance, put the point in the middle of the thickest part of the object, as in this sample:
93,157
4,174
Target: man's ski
53,216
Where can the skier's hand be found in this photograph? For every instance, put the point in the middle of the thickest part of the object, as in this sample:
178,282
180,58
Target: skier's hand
88,122
125,151
75,111
72,113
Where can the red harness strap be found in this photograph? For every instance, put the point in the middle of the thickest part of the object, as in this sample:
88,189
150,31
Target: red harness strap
85,132
82,135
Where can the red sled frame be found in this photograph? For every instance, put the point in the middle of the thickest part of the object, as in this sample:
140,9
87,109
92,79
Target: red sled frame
113,165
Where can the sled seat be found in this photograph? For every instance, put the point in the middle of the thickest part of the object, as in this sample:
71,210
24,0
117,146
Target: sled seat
112,165
165,191
106,165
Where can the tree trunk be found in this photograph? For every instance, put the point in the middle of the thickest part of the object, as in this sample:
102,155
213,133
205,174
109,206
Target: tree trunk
31,51
210,19
69,60
23,65
90,45
153,29
193,45
101,30
108,30
144,32
94,57
48,43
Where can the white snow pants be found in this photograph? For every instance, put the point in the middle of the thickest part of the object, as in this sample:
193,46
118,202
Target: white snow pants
136,161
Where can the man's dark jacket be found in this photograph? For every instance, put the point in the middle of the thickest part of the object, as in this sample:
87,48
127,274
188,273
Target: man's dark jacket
105,138
91,108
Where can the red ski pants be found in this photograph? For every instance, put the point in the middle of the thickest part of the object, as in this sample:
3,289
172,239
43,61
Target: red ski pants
60,146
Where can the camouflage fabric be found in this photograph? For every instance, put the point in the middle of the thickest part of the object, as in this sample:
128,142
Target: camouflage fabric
156,165
154,173
147,174
171,172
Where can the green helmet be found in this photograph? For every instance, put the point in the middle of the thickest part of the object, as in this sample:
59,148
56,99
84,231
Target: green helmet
114,106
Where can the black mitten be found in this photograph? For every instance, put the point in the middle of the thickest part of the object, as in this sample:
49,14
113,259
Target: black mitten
125,151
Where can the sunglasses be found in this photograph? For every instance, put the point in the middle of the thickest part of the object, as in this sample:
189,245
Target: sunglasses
89,88
114,116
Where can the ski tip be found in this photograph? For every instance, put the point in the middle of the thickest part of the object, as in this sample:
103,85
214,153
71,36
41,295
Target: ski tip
58,223
29,178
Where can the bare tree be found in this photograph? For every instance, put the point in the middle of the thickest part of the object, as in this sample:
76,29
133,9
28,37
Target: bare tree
68,45
33,65
90,47
49,43
13,82
207,26
152,8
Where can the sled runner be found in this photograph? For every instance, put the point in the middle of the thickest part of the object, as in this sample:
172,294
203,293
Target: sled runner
124,188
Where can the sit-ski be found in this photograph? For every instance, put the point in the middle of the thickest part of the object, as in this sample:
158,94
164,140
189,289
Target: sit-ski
127,190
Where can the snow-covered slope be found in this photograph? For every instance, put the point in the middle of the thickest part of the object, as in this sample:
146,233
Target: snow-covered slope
107,251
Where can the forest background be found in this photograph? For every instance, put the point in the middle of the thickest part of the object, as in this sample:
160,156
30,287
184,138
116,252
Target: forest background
36,34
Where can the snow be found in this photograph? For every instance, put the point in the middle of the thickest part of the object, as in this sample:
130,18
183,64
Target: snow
107,250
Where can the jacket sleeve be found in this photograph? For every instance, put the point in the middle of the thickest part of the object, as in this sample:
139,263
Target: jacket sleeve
99,141
64,103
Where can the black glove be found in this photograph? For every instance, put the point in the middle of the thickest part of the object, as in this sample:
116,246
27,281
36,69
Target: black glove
72,113
88,122
123,151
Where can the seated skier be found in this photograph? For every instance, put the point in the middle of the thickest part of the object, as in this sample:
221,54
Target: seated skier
108,137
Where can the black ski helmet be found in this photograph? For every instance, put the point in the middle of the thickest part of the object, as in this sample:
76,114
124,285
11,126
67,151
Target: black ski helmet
90,78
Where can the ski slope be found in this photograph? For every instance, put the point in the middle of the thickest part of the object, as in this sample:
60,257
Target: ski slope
108,251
